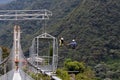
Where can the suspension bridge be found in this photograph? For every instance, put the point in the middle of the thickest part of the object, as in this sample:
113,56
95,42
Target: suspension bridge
43,51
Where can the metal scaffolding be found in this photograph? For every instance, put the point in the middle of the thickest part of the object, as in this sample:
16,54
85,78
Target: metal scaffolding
44,52
25,14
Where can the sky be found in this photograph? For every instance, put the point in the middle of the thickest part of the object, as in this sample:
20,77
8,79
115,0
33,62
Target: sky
4,1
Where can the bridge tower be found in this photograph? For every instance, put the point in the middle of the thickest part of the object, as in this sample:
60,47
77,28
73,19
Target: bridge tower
16,43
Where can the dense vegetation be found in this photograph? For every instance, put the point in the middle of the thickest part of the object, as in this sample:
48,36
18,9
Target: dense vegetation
75,70
5,52
94,24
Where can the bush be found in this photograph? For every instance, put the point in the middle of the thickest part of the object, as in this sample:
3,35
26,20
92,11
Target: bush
74,66
63,74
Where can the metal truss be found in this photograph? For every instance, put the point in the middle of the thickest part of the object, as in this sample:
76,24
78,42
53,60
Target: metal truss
35,50
25,14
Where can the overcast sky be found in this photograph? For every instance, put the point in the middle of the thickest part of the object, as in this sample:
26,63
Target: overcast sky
4,1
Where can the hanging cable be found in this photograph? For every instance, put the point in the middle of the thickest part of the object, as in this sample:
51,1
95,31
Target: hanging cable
44,27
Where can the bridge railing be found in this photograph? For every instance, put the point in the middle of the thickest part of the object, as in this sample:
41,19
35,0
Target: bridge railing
7,76
25,76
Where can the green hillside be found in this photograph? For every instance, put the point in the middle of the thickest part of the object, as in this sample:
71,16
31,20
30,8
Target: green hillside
94,24
32,27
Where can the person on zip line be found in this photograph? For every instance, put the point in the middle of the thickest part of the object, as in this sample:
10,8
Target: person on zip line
61,42
73,44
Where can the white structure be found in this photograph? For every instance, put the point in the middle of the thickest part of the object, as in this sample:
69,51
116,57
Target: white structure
36,60
25,14
16,42
45,47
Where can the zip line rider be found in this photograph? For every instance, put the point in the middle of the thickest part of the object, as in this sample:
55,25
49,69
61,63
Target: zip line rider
73,44
61,41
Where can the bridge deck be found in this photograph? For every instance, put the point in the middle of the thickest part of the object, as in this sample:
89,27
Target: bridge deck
16,75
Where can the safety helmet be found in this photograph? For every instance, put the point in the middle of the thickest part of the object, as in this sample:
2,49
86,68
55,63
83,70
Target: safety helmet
61,38
73,40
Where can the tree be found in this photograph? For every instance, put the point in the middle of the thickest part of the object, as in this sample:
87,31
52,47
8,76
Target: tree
6,52
63,74
74,66
88,74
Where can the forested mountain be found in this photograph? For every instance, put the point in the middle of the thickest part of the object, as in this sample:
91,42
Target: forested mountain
32,27
94,24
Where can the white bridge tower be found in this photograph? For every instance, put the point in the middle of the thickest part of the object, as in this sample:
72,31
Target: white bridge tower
16,45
